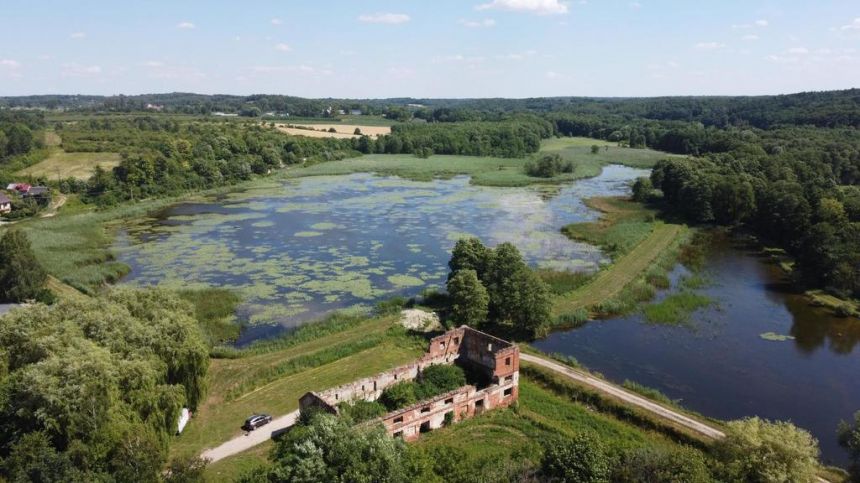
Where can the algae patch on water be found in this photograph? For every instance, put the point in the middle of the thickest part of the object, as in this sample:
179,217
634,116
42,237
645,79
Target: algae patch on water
774,337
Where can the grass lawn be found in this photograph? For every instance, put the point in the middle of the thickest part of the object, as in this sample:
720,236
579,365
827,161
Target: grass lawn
515,435
71,165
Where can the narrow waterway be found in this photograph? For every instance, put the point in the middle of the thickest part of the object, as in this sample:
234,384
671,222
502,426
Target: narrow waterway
760,349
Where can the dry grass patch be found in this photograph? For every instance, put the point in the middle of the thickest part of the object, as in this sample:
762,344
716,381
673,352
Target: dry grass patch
71,165
342,131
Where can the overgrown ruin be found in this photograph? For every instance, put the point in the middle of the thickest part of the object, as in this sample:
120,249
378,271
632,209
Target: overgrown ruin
496,361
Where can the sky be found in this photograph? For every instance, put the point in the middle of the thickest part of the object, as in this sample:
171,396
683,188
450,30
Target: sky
429,48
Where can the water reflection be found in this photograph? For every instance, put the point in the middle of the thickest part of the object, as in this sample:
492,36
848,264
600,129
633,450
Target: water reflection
721,366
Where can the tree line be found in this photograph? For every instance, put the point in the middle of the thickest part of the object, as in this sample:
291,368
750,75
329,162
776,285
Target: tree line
163,156
510,138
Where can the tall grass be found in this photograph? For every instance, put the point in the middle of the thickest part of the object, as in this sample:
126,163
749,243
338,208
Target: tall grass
215,310
676,308
562,282
303,363
332,324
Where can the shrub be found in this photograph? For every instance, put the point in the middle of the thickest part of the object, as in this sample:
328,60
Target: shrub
647,465
548,166
755,449
399,395
361,410
581,458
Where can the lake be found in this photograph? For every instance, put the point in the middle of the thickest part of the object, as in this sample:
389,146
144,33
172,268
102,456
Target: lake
298,249
718,364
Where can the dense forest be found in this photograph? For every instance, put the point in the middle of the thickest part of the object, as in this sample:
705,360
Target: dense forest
822,109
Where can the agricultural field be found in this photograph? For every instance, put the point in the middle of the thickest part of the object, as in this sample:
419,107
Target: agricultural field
61,164
342,131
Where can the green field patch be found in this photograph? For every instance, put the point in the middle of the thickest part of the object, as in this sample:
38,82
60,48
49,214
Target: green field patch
676,308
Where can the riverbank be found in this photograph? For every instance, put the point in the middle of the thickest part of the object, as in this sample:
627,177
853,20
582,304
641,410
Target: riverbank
644,249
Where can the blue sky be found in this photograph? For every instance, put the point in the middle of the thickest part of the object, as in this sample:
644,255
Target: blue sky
438,48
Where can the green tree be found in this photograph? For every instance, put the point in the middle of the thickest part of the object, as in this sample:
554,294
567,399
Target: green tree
642,189
470,253
849,438
357,131
759,450
661,465
330,449
469,298
595,149
399,395
21,275
579,459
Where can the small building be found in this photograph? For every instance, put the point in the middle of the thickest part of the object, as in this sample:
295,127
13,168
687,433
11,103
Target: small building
41,194
355,112
495,360
5,203
20,188
154,107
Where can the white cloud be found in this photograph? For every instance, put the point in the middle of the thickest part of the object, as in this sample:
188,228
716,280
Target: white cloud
474,24
750,37
709,46
388,18
277,21
798,51
77,70
551,74
635,5
517,55
153,64
78,35
9,64
538,7
757,23
782,59
283,47
185,25
855,25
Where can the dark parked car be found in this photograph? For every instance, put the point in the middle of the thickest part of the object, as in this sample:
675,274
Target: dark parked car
256,421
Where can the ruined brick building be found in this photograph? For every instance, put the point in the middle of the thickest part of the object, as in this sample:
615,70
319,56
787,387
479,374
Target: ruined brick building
495,360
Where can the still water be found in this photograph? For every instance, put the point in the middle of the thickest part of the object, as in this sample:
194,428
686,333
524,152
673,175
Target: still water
719,364
298,249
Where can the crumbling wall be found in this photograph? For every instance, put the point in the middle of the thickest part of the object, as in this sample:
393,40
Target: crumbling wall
497,358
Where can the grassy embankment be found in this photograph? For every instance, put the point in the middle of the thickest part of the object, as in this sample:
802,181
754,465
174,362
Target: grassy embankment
490,171
270,377
643,249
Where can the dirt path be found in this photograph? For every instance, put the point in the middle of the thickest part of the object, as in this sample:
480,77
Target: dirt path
252,438
611,281
626,396
58,202
632,399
